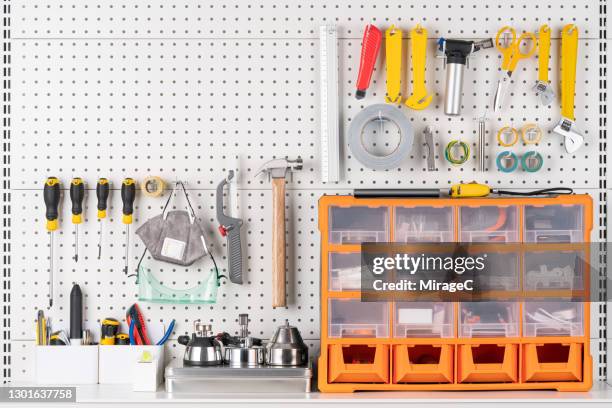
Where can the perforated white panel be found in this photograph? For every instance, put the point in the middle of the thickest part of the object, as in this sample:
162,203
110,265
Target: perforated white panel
179,89
185,108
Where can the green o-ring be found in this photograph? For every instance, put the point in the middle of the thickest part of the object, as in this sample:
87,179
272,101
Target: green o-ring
503,155
526,157
452,159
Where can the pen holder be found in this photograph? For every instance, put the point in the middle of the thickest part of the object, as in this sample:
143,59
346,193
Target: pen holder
66,365
117,362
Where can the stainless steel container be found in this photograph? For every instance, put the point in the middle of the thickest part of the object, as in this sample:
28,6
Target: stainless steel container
253,356
244,354
286,348
201,349
454,88
228,380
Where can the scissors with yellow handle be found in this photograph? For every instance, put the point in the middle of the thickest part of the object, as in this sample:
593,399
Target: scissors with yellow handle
512,53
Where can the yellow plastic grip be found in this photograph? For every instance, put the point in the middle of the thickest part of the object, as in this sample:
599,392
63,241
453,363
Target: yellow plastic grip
127,218
470,190
52,225
77,219
393,55
505,50
544,54
569,55
419,99
101,214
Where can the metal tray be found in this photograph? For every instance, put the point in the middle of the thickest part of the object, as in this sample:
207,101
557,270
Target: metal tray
225,379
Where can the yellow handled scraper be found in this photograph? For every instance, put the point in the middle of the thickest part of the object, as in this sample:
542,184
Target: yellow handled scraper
569,53
420,98
393,55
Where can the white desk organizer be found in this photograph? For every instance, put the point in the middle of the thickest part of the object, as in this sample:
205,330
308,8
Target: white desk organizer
67,365
117,363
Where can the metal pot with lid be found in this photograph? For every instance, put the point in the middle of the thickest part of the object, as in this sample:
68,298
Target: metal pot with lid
286,348
201,349
244,350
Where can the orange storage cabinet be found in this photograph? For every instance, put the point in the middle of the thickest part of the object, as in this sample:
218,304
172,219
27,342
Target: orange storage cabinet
441,346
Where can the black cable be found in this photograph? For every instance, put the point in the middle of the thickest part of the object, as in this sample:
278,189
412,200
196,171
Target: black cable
545,191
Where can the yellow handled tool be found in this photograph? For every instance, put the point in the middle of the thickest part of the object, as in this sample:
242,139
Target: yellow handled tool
509,45
542,87
77,193
393,55
464,190
419,99
469,190
51,196
569,54
108,331
128,195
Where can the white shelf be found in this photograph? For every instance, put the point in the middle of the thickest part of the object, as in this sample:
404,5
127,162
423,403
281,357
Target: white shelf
102,395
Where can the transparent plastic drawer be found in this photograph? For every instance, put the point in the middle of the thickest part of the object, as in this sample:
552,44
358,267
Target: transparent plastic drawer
501,272
488,224
354,225
423,319
344,271
488,319
350,318
554,270
554,223
424,224
553,318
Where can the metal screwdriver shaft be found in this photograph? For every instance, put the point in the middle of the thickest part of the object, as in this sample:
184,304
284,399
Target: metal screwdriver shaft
128,194
51,195
77,192
102,189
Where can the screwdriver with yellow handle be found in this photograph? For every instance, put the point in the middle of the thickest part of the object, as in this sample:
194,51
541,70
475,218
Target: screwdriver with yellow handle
51,195
102,190
77,192
463,190
128,194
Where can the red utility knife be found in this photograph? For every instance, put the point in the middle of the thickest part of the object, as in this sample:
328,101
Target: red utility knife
370,46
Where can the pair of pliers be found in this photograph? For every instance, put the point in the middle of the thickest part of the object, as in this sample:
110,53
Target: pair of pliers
138,331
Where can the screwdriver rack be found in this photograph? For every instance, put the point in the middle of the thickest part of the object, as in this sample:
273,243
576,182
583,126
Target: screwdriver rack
179,89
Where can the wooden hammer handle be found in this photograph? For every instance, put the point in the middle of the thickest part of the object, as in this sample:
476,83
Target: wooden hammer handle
279,298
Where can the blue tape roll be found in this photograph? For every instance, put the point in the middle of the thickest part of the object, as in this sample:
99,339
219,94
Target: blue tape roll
502,156
527,156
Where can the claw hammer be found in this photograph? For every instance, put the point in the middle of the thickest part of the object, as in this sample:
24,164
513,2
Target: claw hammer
277,170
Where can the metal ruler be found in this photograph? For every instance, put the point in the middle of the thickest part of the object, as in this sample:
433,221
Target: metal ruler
330,127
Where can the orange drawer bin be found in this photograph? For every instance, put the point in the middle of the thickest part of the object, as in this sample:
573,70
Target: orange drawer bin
552,362
487,363
358,363
423,363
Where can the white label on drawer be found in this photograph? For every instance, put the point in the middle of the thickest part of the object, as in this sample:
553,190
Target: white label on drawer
415,316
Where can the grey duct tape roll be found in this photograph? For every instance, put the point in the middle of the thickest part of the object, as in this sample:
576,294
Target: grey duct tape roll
376,112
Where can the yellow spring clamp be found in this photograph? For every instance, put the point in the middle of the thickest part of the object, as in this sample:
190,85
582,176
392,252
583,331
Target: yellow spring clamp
393,55
420,99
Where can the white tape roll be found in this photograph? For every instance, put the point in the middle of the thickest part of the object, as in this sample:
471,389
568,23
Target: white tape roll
380,112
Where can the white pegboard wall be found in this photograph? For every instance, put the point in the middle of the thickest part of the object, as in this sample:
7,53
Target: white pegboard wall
186,108
284,18
177,89
108,292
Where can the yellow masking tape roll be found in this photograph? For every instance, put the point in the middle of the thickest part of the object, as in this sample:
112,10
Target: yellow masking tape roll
152,186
